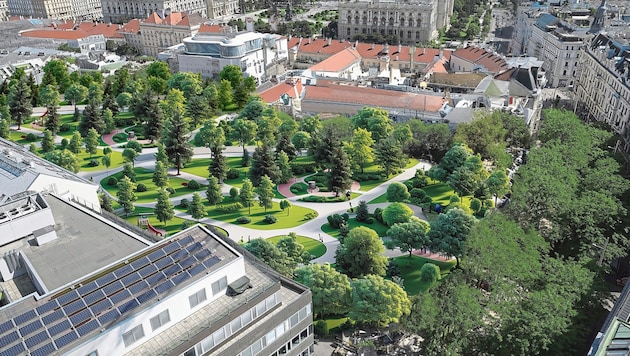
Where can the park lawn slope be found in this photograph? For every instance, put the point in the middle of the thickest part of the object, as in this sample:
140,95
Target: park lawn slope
145,176
314,247
410,272
381,229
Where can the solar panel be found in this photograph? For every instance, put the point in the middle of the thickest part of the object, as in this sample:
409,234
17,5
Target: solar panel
178,255
14,350
31,328
185,241
139,263
194,247
201,255
23,318
157,254
113,288
170,247
156,278
109,316
36,339
68,297
42,309
9,339
164,287
100,306
80,317
195,270
211,262
66,339
90,287
74,307
59,328
138,287
88,327
128,306
94,297
180,278
6,326
146,296
106,279
187,262
172,270
54,316
163,262
130,279
122,271
44,350
147,271
120,296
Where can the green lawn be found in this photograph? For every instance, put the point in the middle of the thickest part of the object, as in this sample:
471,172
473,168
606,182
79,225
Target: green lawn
145,176
380,229
379,199
438,191
314,247
328,198
368,185
410,272
172,226
116,158
199,167
20,137
299,188
335,322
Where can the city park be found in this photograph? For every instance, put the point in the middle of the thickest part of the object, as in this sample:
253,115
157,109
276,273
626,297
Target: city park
399,218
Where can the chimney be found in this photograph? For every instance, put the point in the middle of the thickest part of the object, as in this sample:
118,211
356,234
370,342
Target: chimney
356,44
329,41
424,50
399,48
309,40
372,46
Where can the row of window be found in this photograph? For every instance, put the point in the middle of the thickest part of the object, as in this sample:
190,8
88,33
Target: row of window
235,325
382,32
383,21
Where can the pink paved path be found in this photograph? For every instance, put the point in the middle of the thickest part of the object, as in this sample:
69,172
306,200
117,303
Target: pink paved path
432,256
109,138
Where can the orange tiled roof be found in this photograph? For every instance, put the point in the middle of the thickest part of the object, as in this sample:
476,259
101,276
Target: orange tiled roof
338,61
71,31
211,28
331,92
480,56
153,18
132,26
174,19
507,75
273,94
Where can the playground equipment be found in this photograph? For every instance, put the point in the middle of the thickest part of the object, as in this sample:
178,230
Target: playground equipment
158,232
143,221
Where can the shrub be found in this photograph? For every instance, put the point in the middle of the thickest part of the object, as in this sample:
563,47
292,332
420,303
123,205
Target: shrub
170,190
93,163
184,203
64,143
396,213
362,211
369,221
314,199
418,193
300,168
233,173
321,328
230,208
31,137
112,181
141,187
378,215
429,273
393,269
270,219
233,193
310,216
193,184
362,177
335,220
65,127
186,224
243,220
345,217
397,192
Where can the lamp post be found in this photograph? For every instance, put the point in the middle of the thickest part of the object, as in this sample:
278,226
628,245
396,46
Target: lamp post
600,261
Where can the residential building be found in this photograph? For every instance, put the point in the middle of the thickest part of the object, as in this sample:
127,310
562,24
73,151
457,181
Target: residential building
612,339
259,55
477,59
89,286
415,21
342,65
220,8
4,10
121,11
86,36
158,32
57,9
603,88
286,96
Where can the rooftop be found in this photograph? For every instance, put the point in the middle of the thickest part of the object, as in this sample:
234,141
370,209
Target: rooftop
69,30
482,58
338,61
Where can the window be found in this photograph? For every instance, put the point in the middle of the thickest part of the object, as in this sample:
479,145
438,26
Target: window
197,298
219,285
160,319
133,335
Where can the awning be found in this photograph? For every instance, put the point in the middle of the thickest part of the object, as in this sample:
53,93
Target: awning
239,286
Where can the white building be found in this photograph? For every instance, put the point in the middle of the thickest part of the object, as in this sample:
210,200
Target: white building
121,11
57,9
214,47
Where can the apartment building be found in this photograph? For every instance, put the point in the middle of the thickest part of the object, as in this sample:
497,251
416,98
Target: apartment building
117,11
159,32
57,9
219,8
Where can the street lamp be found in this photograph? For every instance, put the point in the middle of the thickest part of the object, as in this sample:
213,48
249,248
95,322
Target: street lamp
600,261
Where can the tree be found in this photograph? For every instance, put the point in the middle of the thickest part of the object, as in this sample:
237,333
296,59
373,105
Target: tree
265,193
253,110
389,155
91,142
331,290
449,232
361,253
164,210
5,121
233,193
377,301
212,136
106,161
176,143
466,179
213,193
246,195
198,109
160,155
485,135
19,101
408,236
244,131
301,140
173,104
362,211
219,167
124,99
154,124
126,194
397,192
285,204
196,208
374,120
263,164
233,74
430,273
396,213
49,96
284,168
75,94
498,184
48,142
225,94
160,175
75,143
91,119
188,83
64,159
268,128
129,172
454,158
285,145
108,121
340,175
294,250
55,71
130,155
271,255
105,202
360,148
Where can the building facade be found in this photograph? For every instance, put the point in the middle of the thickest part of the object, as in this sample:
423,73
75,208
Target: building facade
56,9
219,8
603,87
413,22
160,32
122,11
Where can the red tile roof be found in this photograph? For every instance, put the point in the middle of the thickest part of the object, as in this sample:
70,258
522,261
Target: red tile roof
174,19
338,61
211,28
71,31
273,94
132,26
330,92
492,62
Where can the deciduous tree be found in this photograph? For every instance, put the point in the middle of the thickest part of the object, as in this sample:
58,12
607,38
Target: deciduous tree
331,290
449,232
246,194
360,148
361,253
397,192
377,301
126,195
265,192
396,213
408,236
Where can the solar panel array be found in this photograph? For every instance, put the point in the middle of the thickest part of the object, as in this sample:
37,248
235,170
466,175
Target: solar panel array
98,303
